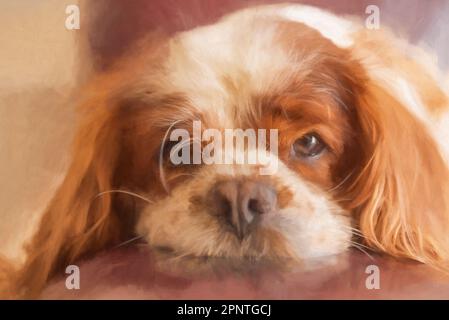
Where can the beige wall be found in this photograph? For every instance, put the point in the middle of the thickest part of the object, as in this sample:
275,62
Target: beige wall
38,70
37,49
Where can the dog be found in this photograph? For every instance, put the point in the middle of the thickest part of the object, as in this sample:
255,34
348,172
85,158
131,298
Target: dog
361,147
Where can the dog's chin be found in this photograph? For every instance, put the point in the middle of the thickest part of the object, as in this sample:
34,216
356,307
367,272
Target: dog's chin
170,260
263,246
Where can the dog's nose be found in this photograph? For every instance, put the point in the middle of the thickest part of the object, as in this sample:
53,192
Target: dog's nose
242,202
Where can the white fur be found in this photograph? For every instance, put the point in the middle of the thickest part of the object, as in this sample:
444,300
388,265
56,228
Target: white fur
332,27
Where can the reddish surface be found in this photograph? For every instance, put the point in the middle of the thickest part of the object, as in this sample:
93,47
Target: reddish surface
136,273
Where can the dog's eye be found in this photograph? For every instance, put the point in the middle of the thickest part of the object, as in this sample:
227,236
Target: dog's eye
310,145
168,148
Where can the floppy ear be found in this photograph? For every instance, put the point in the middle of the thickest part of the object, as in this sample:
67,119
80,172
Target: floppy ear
75,222
401,195
106,155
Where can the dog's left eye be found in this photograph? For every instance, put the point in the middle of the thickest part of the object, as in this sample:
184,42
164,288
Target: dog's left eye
309,145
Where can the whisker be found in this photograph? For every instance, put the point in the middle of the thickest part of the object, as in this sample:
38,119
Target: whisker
128,241
180,175
178,147
356,232
161,158
356,245
362,245
124,192
185,143
341,182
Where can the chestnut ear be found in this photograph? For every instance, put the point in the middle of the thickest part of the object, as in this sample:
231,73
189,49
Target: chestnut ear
105,156
76,222
401,195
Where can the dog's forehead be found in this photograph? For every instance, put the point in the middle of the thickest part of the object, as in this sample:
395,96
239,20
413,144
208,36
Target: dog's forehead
222,67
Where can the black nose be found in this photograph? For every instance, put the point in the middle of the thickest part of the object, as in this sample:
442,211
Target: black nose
241,202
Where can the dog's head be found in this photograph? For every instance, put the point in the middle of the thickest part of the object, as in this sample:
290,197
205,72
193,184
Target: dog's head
260,80
337,151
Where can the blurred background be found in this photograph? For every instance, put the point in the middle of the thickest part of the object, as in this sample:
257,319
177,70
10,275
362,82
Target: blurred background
42,64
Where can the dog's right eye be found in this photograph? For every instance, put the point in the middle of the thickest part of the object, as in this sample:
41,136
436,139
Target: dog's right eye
176,153
168,148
